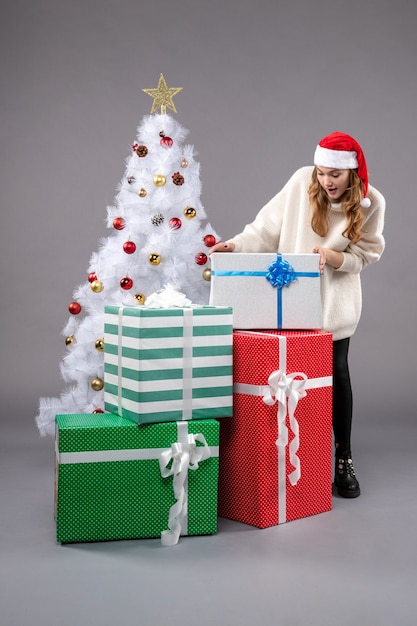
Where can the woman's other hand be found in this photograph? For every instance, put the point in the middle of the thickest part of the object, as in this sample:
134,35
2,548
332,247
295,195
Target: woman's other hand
220,246
329,257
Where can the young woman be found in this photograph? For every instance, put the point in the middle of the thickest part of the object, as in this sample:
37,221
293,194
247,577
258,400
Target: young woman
328,209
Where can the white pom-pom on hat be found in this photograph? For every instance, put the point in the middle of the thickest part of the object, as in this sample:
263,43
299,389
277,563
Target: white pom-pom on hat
343,152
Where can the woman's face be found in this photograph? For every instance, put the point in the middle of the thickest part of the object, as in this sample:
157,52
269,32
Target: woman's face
334,182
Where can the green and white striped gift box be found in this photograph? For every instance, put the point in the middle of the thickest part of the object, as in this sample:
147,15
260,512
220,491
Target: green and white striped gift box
168,364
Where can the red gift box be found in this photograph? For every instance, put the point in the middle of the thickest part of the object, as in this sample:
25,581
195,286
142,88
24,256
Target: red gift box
276,450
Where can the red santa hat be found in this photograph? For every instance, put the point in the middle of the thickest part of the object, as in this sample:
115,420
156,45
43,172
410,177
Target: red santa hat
343,152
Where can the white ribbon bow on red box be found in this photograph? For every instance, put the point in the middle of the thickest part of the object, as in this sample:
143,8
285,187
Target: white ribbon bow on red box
281,387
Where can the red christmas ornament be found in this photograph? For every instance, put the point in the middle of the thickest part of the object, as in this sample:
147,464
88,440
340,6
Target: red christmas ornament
166,142
209,240
119,223
92,277
98,411
74,308
175,223
126,283
201,258
129,247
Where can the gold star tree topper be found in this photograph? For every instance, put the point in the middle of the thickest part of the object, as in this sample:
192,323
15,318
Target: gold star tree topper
162,96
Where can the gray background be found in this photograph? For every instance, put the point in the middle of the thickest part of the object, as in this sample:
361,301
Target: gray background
262,83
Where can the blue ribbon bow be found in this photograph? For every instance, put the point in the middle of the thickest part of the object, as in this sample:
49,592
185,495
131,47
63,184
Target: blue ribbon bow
280,273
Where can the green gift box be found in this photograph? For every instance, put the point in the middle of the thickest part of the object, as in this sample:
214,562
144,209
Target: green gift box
168,364
117,480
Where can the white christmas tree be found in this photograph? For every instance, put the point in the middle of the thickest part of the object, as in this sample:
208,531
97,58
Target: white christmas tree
159,236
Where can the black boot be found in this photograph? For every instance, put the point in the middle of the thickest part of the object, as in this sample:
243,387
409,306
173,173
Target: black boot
345,479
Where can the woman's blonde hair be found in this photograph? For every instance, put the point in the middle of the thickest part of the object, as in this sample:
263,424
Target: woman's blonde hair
320,204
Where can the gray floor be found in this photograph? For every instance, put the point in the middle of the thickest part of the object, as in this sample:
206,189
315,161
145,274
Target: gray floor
354,565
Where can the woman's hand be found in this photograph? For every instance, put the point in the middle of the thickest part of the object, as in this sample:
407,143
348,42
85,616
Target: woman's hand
220,246
329,257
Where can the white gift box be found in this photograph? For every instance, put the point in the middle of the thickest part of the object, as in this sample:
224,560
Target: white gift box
275,291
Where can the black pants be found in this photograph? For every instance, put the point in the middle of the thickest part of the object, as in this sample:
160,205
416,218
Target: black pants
342,394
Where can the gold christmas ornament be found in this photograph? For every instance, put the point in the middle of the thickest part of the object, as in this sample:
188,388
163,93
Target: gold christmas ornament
97,286
159,180
97,384
162,96
189,212
140,298
69,341
99,344
184,162
154,258
207,274
142,192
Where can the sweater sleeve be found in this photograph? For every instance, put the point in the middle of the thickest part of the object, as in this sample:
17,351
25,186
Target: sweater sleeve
370,248
263,234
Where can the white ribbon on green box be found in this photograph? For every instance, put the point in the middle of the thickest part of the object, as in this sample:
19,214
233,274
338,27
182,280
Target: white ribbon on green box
183,455
175,461
286,390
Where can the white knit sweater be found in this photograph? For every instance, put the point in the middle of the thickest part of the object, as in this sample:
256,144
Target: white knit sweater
284,225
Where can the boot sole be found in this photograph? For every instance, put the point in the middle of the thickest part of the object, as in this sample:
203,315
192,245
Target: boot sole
347,494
